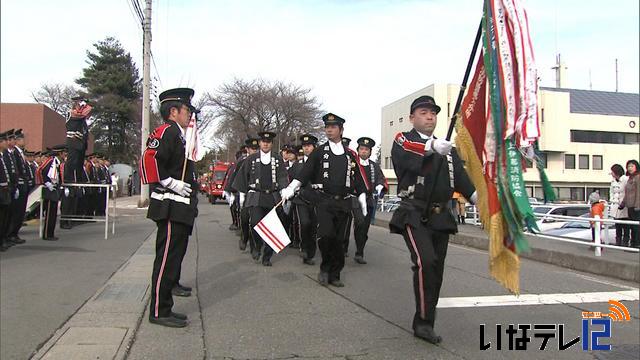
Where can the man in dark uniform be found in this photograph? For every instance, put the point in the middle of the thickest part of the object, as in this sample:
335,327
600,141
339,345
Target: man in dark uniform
228,194
258,182
6,192
23,177
77,139
376,187
304,211
49,176
423,218
173,204
289,157
245,229
332,170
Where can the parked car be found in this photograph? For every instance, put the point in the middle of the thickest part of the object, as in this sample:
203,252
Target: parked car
581,230
390,204
545,224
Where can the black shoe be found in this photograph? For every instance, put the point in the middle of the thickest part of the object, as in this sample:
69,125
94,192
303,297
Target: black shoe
17,240
179,316
426,332
255,255
53,238
359,259
65,226
323,278
295,245
308,261
168,321
4,248
233,227
346,254
242,245
336,283
266,262
176,291
184,287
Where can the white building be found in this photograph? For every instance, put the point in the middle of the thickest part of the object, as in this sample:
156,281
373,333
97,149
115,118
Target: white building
584,132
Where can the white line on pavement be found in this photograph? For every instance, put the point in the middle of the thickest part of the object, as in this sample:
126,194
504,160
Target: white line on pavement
538,299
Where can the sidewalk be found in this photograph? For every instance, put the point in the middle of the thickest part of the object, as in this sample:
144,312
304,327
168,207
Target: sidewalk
613,263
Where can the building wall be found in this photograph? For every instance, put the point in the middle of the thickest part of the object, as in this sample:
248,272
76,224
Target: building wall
556,123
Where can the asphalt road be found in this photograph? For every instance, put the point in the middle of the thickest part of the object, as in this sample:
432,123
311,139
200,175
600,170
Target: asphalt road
43,283
246,311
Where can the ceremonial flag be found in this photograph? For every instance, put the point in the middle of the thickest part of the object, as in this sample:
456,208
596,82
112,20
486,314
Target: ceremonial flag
193,149
498,130
272,232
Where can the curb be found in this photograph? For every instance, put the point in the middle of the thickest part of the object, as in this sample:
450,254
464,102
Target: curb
104,327
629,272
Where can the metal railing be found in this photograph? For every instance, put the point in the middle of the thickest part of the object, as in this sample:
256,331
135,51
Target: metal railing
105,218
599,223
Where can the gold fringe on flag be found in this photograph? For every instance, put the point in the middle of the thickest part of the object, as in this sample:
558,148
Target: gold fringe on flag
504,265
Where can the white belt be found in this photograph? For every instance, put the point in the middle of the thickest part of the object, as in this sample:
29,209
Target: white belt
170,196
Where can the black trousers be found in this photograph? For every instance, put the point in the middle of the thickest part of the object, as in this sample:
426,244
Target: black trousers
256,213
68,205
50,213
428,250
333,221
306,225
16,211
4,223
101,202
245,228
361,231
635,229
347,234
171,245
234,213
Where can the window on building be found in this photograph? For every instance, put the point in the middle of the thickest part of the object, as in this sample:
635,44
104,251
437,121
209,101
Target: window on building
543,157
400,119
597,162
569,161
448,110
605,137
583,162
386,162
391,123
542,116
577,194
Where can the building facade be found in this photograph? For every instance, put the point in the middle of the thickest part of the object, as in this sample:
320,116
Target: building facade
583,133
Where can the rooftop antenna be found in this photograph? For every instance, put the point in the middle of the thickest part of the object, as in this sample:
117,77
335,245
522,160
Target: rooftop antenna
616,75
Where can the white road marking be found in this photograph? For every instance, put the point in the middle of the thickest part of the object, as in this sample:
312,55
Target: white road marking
538,299
600,281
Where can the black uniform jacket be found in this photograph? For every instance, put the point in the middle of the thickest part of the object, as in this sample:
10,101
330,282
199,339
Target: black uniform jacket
416,173
373,176
163,158
261,183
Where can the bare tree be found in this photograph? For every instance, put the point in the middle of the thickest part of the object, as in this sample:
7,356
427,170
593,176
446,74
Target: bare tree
56,96
244,108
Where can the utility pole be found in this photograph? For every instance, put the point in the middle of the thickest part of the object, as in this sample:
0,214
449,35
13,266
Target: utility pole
146,101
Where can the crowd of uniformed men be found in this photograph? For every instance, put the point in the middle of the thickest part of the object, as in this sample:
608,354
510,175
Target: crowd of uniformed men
322,187
22,171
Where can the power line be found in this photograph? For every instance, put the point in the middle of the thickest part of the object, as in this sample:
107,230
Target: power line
136,17
138,8
155,67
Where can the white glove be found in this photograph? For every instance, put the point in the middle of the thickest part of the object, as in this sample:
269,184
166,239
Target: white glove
242,196
49,186
474,198
230,198
179,187
379,189
17,194
66,192
442,147
287,193
362,199
224,194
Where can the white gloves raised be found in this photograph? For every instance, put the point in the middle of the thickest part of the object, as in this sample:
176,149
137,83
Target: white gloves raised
179,187
66,192
49,186
242,196
442,147
362,199
288,192
379,189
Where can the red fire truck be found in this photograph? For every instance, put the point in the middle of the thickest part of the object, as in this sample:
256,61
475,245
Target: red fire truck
216,180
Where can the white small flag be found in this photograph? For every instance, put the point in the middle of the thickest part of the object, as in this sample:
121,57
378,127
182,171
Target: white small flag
53,170
193,149
271,230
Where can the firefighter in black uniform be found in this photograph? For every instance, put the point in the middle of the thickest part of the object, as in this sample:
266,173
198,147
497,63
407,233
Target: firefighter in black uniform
228,193
6,192
332,170
49,176
173,204
77,139
22,174
376,187
423,217
289,157
245,229
258,182
304,211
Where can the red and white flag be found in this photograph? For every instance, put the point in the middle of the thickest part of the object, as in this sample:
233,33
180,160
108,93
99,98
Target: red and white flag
193,149
271,230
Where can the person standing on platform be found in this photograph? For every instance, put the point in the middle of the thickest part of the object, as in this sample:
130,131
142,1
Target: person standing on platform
258,182
377,187
332,171
173,202
416,156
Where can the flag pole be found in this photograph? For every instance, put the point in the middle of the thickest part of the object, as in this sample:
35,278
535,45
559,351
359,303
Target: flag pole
463,87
